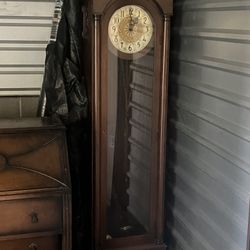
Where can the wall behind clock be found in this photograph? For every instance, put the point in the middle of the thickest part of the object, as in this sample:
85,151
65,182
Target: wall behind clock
208,180
25,28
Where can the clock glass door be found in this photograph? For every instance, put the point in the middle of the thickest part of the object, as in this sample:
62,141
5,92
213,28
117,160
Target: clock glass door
129,122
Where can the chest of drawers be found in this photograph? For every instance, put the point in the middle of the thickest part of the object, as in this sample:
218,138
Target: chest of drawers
35,192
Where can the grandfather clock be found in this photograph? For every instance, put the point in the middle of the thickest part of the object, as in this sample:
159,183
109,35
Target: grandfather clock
129,52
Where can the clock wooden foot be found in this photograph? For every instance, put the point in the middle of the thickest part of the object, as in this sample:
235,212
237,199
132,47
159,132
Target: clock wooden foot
144,247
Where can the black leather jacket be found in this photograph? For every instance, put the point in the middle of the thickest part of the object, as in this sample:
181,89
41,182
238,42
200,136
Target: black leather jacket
63,83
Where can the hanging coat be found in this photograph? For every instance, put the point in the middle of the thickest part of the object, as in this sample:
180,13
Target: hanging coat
66,97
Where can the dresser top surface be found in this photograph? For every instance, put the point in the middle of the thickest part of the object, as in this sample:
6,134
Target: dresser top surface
27,124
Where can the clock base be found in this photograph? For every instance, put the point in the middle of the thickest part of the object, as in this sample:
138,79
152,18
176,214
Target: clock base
144,247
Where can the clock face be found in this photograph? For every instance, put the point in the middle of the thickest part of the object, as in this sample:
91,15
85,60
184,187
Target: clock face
130,29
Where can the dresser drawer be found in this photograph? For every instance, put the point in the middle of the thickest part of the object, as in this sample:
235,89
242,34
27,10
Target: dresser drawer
38,243
30,215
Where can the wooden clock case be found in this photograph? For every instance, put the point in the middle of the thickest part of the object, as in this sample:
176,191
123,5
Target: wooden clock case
97,15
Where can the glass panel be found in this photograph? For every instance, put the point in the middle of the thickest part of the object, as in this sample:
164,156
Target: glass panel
129,142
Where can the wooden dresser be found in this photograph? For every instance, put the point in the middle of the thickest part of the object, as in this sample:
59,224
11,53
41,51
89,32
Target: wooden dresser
35,193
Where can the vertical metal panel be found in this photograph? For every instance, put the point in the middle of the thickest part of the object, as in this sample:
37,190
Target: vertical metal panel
208,181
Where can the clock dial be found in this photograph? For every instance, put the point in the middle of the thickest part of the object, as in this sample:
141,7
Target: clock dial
130,29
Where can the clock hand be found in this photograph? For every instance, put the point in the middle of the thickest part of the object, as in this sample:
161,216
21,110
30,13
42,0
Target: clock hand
131,26
133,22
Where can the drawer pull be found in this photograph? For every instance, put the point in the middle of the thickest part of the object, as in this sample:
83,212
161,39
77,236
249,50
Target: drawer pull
33,246
34,218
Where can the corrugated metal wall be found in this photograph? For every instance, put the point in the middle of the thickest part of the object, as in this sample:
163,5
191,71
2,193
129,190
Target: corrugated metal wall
208,180
25,29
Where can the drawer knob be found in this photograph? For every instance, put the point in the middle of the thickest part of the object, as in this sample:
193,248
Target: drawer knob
3,162
33,246
34,218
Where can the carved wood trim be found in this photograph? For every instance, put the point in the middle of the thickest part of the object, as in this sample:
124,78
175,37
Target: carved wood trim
40,173
7,161
30,151
100,5
163,129
96,131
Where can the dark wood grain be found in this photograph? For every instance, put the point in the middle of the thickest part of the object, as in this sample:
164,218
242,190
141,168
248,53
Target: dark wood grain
100,6
17,215
36,243
27,124
35,188
160,10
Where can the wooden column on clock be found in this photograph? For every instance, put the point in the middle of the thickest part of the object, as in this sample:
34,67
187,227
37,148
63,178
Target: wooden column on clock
127,43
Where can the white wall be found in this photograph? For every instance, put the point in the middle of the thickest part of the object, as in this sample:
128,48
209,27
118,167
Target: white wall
25,28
